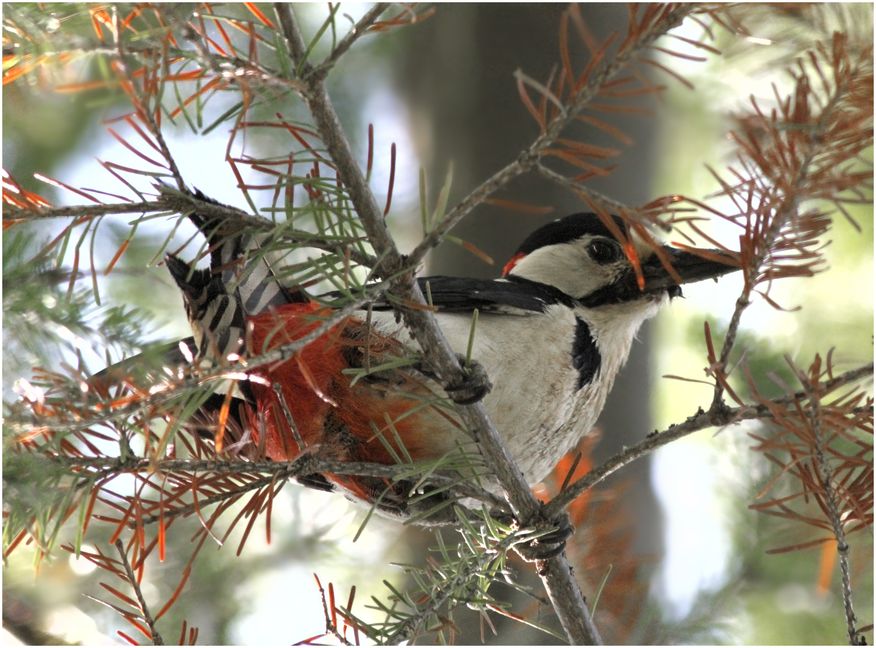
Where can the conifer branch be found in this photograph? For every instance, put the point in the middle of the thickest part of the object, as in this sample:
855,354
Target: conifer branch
826,476
356,32
448,590
12,215
562,588
142,108
87,417
809,135
828,445
175,202
585,193
135,585
99,468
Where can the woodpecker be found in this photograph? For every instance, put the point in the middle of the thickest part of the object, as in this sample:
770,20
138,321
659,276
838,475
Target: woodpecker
552,333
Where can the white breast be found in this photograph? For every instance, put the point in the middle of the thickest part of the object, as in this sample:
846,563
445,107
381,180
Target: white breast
535,402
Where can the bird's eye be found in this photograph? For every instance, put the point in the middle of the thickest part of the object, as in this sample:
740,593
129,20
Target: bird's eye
604,251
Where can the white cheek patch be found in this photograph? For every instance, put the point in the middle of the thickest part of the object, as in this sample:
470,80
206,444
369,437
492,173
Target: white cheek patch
567,266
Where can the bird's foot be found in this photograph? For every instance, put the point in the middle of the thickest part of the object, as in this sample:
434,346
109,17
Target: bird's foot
473,387
426,505
551,536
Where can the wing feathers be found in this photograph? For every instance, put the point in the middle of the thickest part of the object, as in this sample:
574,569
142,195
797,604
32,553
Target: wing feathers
463,294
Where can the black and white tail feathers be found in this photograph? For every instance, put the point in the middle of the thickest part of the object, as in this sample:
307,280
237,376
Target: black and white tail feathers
244,262
240,281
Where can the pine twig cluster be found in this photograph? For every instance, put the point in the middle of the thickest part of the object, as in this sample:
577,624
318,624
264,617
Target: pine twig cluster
132,609
825,445
339,631
804,153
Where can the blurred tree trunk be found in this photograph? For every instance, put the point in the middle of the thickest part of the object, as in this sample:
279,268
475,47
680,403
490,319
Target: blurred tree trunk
457,77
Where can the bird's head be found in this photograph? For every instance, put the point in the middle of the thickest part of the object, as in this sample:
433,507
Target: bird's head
579,256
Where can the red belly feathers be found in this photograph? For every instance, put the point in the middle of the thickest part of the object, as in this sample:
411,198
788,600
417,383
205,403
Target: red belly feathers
386,417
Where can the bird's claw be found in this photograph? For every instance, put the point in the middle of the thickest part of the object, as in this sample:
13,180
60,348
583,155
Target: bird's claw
548,544
473,387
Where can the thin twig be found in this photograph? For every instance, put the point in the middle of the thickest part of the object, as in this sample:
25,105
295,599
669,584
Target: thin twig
581,190
825,476
101,467
135,585
287,413
330,626
716,416
12,215
355,33
145,111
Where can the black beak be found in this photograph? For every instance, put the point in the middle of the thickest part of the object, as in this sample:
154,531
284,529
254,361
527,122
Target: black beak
687,267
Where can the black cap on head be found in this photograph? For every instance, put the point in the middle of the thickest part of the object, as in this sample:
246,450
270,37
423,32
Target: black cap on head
568,229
